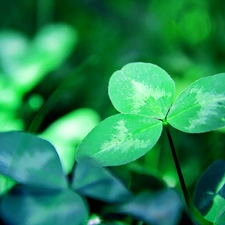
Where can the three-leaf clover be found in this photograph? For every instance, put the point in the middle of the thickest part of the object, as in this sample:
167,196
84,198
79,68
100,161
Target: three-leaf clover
144,95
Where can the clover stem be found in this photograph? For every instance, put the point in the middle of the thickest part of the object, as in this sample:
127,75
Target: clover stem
179,172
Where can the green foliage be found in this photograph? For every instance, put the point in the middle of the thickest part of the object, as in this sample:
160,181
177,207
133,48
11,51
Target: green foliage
144,94
45,80
39,182
59,201
25,63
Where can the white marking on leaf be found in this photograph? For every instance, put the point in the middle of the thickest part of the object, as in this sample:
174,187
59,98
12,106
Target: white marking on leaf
140,93
5,160
29,157
122,140
208,102
119,136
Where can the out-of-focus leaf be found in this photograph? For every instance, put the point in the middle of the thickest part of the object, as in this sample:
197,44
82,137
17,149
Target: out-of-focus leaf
12,45
120,139
8,121
142,88
201,107
30,160
55,42
92,180
162,208
209,196
66,133
35,208
50,48
10,99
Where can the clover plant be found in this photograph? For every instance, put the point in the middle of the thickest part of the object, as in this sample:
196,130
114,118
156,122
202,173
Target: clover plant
144,94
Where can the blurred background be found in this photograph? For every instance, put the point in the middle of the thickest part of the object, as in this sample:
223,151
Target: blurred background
56,58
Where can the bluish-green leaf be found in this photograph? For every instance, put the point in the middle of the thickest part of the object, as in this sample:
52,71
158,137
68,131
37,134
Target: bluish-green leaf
92,180
201,107
30,160
162,208
120,139
209,197
142,88
25,207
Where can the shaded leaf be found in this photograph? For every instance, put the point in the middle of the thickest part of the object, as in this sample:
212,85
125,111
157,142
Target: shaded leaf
92,180
201,107
162,208
209,197
142,88
120,139
30,160
28,207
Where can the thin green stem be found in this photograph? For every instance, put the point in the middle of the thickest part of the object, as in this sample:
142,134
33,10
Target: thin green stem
179,172
191,210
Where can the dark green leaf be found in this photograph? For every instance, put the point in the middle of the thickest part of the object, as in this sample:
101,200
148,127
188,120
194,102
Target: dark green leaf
92,180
